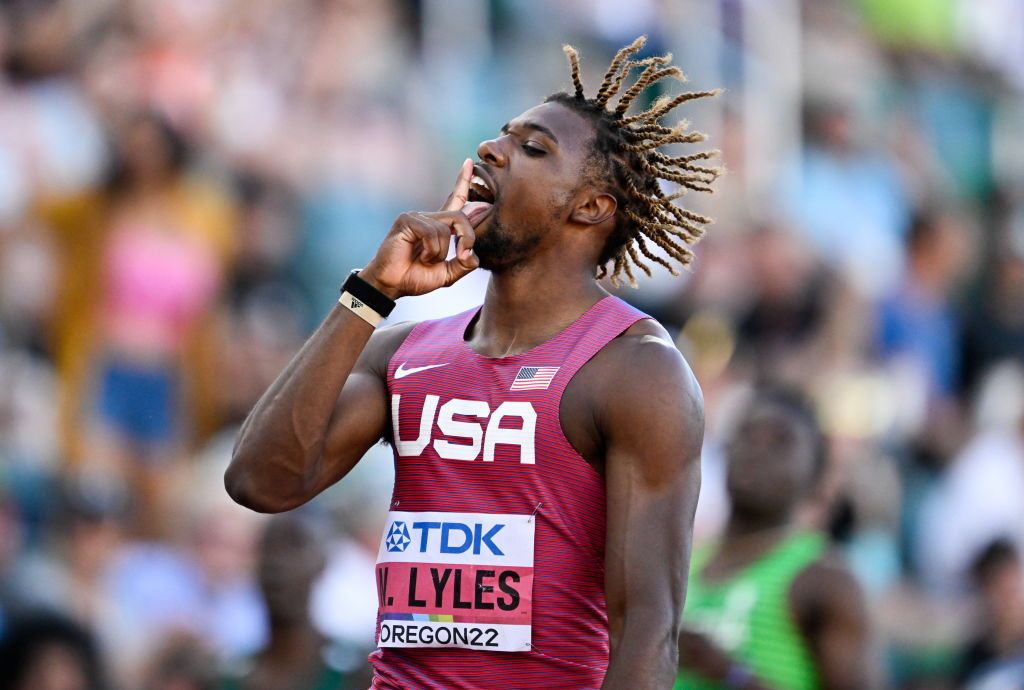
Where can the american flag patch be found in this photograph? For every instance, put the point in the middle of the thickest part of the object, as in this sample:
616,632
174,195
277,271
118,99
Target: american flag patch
533,378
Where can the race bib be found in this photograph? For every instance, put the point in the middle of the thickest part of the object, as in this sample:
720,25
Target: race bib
456,580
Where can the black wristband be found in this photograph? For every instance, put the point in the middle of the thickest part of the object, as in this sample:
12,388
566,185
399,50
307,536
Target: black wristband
367,294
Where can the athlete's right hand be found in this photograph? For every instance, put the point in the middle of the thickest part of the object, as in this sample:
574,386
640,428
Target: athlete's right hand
412,258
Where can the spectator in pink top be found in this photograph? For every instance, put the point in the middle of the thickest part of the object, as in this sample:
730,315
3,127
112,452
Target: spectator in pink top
161,272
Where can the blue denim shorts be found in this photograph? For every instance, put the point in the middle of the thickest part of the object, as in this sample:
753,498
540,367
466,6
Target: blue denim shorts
138,401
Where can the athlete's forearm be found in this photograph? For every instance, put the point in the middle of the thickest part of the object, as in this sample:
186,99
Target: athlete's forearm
646,654
280,442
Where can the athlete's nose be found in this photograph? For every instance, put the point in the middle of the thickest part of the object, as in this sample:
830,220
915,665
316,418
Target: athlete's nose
489,151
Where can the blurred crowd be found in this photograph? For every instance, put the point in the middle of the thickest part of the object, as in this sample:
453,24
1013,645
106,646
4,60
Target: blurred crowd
185,183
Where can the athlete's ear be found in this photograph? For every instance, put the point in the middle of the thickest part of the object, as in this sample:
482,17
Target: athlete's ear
594,209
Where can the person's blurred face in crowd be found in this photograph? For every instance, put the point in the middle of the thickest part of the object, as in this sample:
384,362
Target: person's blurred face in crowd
836,129
940,249
829,125
149,150
94,525
782,264
952,251
291,557
1001,584
772,461
92,540
55,667
224,542
535,171
1005,587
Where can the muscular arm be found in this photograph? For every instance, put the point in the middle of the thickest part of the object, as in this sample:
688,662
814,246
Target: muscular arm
329,405
651,422
829,608
318,418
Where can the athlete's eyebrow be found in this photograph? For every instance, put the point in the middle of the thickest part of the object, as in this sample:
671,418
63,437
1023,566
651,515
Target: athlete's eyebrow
529,124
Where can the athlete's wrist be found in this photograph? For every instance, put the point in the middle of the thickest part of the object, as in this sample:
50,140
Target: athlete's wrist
365,300
369,275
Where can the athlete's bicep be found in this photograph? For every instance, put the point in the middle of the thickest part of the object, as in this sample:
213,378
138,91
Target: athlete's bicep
360,417
652,425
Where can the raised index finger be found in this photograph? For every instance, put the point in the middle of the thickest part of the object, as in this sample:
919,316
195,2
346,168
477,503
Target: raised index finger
460,195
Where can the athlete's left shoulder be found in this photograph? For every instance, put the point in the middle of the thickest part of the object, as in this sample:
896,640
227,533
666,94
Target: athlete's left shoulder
643,367
647,349
640,404
646,330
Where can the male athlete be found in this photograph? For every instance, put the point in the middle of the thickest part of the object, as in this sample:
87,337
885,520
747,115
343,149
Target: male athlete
547,443
770,608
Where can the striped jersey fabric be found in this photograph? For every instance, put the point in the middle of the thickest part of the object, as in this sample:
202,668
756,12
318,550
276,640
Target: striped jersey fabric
490,572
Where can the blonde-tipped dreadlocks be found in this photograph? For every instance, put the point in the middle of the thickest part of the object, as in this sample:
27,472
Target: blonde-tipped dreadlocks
646,214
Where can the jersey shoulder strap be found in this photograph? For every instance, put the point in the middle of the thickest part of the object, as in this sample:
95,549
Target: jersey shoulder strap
588,335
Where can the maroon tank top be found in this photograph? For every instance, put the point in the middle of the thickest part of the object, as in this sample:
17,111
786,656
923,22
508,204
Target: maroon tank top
490,572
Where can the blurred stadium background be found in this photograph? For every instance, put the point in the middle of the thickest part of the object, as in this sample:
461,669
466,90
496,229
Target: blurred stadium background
185,183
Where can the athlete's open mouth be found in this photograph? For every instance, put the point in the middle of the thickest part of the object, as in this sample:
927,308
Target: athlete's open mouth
481,187
481,196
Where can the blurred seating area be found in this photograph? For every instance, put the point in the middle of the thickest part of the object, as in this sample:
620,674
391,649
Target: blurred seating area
185,183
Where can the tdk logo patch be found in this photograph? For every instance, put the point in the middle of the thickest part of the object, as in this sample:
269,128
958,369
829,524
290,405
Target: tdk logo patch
450,538
397,539
455,538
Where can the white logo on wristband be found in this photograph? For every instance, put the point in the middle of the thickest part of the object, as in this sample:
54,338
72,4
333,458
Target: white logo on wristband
361,310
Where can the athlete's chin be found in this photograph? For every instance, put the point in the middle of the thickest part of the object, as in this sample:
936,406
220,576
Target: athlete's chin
489,261
500,250
496,253
492,244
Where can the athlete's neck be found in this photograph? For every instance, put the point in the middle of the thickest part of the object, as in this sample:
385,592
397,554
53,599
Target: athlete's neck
529,305
744,542
744,528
